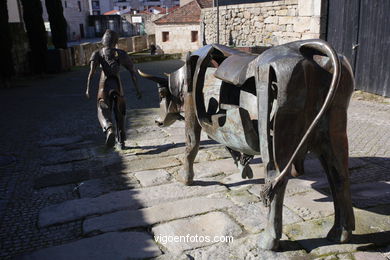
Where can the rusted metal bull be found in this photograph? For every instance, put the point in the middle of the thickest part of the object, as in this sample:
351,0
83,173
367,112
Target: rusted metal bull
281,104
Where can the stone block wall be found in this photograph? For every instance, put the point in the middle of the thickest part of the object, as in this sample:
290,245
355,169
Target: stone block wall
125,44
264,24
139,42
80,54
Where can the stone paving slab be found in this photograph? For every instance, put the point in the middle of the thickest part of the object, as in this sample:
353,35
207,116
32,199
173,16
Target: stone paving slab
153,177
60,157
369,255
301,185
97,187
253,216
211,168
236,182
310,205
156,214
245,248
152,151
211,225
61,178
117,245
372,228
135,164
127,199
242,197
370,194
61,141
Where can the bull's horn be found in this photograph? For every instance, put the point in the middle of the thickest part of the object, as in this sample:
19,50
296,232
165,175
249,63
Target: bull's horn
166,74
154,78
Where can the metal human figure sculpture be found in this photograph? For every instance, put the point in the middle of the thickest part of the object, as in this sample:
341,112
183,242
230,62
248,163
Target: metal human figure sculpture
110,97
281,104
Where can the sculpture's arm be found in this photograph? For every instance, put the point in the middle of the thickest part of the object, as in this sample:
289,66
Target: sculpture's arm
128,64
92,69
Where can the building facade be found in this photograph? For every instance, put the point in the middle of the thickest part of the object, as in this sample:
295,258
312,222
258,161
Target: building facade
76,13
98,7
179,31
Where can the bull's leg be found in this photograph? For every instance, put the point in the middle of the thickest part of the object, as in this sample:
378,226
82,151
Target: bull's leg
273,231
245,169
235,155
192,131
242,161
334,159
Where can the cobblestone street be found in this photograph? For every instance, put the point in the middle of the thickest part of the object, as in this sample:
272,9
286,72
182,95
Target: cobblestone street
64,196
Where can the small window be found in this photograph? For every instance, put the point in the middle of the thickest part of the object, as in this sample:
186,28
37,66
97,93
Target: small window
194,36
79,4
65,4
165,36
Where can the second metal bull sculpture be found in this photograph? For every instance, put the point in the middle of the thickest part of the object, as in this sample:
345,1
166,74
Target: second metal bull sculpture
281,104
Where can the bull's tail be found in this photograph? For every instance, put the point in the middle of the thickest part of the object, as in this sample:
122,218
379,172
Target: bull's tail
313,47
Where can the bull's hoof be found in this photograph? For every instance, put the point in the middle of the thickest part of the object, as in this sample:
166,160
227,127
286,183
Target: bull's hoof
268,242
185,177
246,171
339,235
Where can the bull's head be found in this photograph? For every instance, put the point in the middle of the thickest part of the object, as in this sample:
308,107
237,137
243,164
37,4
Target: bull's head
170,97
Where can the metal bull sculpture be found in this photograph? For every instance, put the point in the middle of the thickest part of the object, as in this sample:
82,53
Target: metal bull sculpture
281,104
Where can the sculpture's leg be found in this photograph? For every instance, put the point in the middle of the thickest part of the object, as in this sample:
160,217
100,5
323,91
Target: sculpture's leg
334,158
245,169
298,167
235,155
105,119
192,131
242,161
273,232
120,118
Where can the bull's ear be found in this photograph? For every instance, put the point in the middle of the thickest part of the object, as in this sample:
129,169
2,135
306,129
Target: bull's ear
154,78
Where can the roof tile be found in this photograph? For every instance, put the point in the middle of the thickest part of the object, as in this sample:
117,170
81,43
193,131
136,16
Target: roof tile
189,13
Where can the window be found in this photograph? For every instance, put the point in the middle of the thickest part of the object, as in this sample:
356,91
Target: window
95,5
65,4
194,36
79,4
165,36
111,25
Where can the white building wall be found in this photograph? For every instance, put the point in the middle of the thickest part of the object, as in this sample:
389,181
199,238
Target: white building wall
105,6
74,16
14,15
179,38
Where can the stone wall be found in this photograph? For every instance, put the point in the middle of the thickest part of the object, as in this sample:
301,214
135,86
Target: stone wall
80,54
264,24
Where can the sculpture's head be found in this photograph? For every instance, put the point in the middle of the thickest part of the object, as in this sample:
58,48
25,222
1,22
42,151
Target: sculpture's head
170,95
110,39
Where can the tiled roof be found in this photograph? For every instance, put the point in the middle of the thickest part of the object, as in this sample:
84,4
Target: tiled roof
162,10
205,3
112,12
189,13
